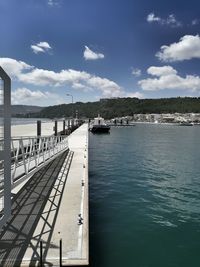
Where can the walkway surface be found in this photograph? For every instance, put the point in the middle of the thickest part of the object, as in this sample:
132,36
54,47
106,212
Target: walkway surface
46,209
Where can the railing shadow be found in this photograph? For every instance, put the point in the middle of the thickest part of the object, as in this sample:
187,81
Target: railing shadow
29,214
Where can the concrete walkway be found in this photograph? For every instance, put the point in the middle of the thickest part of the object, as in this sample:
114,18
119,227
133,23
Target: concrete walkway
46,209
74,202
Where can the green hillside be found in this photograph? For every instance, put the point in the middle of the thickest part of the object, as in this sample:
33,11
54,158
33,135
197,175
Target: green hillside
110,108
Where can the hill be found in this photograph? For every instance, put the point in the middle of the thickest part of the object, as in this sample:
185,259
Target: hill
22,110
110,108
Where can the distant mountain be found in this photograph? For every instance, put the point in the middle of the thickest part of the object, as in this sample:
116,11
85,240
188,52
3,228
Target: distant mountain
23,109
118,107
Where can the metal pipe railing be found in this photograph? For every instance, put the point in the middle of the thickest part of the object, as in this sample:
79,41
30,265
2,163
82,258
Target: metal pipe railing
27,153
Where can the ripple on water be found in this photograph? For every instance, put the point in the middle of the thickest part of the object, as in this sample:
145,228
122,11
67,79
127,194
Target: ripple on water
145,197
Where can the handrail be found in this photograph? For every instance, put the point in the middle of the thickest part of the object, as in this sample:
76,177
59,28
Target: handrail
27,153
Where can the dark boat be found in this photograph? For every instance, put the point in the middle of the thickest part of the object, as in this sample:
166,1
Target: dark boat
186,124
99,126
100,129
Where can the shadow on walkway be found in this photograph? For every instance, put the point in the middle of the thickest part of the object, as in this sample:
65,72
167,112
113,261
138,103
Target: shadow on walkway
44,189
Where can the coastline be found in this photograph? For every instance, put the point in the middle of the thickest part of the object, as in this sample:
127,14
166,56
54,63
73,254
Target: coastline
47,128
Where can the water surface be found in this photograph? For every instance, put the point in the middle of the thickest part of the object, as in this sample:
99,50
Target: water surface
145,197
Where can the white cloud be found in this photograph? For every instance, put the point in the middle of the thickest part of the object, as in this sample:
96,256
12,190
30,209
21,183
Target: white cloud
53,3
187,48
134,94
43,77
151,18
170,20
14,67
83,87
91,55
26,96
107,87
50,2
167,78
78,86
36,49
161,71
41,47
76,79
44,45
136,72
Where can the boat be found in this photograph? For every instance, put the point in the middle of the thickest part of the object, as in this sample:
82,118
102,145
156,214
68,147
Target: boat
186,124
99,126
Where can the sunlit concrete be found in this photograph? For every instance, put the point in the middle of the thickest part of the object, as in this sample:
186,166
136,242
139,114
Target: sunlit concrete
74,202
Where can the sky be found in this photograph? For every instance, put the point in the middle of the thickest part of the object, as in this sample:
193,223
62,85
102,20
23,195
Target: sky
92,49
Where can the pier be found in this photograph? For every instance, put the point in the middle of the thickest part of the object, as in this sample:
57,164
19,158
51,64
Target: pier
48,225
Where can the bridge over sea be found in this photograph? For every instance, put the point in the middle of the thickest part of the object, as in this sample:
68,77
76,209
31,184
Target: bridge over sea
48,225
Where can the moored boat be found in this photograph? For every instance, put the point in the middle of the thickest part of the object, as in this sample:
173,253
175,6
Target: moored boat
186,124
99,126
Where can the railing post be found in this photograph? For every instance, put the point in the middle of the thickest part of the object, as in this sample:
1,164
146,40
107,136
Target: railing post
23,156
63,126
56,128
30,152
41,260
38,128
61,252
43,149
39,149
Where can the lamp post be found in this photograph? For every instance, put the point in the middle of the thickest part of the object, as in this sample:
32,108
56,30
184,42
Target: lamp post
72,102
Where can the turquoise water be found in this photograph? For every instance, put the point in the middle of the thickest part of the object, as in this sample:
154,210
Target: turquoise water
145,197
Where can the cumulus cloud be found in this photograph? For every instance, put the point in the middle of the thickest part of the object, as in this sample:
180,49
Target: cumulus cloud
186,48
167,78
14,67
79,86
151,18
76,79
136,72
41,47
170,20
107,87
43,77
91,55
134,94
161,71
44,45
26,96
36,49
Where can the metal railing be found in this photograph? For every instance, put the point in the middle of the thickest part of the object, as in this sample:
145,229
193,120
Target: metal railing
30,153
5,131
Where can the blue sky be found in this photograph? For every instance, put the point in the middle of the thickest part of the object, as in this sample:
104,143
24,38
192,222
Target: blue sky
99,48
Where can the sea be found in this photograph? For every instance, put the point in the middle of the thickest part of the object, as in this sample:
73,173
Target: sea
22,121
144,184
